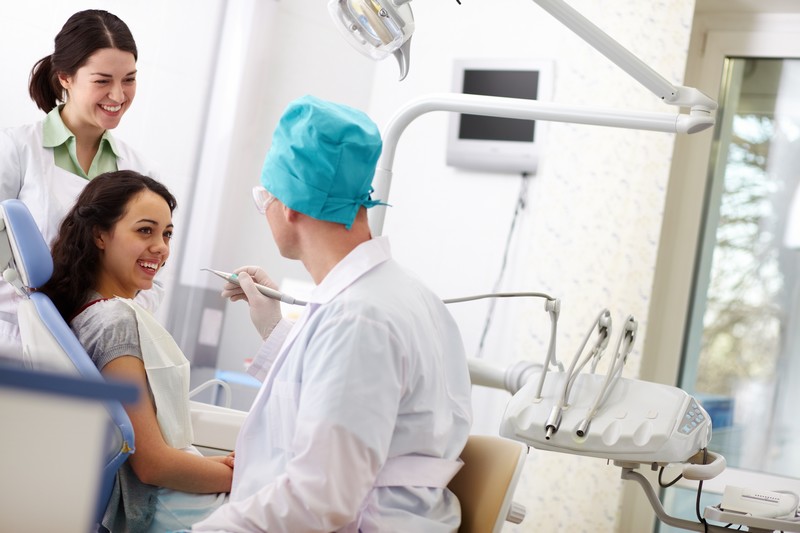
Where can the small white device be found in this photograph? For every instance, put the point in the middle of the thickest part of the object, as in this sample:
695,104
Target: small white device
763,503
266,291
498,144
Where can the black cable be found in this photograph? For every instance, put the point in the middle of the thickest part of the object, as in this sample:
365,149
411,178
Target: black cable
699,493
662,485
697,507
521,201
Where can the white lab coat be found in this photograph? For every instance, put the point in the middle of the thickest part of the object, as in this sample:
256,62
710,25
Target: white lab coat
363,414
28,172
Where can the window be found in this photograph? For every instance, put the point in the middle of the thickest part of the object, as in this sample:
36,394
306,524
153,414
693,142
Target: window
742,358
724,305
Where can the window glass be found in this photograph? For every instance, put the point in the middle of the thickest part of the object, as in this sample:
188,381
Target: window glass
742,357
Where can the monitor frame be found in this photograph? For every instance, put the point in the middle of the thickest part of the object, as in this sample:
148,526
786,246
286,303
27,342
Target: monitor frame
502,156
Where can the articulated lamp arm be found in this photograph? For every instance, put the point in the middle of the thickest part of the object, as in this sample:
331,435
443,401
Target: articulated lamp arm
623,58
379,28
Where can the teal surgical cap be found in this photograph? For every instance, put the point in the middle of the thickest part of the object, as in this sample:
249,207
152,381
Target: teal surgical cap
322,160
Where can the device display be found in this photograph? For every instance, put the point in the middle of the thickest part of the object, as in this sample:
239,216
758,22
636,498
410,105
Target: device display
508,83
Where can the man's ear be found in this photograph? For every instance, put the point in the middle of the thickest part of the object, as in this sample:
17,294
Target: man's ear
290,214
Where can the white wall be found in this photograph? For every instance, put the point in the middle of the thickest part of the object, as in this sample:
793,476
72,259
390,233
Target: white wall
271,53
591,228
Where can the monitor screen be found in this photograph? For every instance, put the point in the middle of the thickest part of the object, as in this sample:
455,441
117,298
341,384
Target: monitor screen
498,144
508,83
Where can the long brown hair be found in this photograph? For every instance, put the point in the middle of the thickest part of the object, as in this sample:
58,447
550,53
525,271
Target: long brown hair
76,258
83,34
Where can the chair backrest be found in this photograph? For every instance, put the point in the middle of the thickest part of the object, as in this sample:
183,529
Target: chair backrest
485,484
48,343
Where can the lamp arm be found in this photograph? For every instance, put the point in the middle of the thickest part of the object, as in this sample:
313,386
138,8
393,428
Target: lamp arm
495,106
623,58
677,95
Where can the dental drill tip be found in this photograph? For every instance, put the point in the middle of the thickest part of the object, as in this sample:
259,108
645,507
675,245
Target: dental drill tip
553,421
227,276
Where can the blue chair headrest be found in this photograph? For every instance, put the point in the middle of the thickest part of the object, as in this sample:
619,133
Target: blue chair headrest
32,259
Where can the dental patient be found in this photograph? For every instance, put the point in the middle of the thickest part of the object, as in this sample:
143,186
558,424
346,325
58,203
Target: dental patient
109,247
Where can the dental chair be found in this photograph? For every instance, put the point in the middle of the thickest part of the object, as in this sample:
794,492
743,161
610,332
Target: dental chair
48,343
485,484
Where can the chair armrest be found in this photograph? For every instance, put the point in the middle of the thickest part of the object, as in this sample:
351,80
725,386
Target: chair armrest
215,427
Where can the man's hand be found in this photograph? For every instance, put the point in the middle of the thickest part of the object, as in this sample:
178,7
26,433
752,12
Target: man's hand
265,313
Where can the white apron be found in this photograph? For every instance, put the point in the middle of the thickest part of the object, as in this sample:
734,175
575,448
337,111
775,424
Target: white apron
168,375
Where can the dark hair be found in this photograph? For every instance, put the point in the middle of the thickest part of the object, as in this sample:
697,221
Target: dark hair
76,258
82,35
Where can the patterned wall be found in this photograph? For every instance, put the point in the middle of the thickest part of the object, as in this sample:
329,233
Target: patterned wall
590,231
598,208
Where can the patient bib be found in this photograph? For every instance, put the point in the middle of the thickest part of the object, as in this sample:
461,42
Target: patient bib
168,375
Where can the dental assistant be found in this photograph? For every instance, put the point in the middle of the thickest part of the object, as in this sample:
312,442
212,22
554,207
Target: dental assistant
85,86
365,404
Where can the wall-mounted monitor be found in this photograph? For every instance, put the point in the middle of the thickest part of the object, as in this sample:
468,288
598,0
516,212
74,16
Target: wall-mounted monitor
497,144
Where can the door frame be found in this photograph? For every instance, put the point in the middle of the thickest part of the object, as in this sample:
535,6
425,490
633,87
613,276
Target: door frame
715,36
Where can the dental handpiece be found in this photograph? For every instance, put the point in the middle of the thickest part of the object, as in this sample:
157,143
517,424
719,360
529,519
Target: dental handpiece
266,291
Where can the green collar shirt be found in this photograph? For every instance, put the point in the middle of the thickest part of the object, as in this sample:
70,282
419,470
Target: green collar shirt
57,136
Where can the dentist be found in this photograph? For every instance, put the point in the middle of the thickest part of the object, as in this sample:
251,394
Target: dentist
365,403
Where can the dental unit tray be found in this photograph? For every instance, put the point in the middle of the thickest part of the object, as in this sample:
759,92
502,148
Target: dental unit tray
605,415
754,524
629,422
640,421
